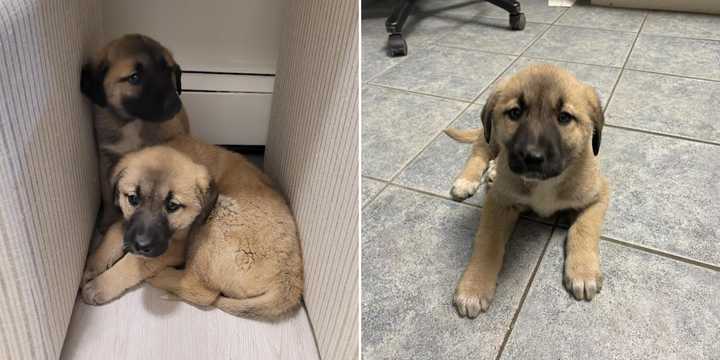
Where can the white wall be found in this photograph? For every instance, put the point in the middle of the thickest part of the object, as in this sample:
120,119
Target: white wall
209,35
313,155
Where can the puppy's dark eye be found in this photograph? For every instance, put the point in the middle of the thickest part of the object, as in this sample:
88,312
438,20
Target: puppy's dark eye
565,117
134,79
515,113
133,199
172,206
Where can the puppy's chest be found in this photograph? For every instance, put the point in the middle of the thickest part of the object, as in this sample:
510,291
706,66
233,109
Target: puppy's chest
543,199
128,139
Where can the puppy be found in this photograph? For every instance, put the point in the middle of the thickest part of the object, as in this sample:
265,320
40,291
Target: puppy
243,255
543,129
134,83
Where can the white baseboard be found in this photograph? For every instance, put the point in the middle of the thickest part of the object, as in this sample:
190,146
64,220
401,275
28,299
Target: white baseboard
700,6
562,3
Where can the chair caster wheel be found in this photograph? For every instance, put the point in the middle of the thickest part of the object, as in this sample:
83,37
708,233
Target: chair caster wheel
397,45
517,22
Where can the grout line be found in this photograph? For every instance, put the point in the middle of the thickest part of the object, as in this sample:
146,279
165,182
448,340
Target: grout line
602,29
681,37
418,92
622,70
407,163
524,295
535,40
653,251
400,61
533,57
673,75
372,198
662,253
475,49
673,136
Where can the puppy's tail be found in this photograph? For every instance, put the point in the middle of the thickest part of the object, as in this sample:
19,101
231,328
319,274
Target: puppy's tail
464,136
274,304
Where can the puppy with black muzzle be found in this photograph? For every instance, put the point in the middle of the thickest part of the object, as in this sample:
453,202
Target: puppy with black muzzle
543,128
153,232
134,83
243,254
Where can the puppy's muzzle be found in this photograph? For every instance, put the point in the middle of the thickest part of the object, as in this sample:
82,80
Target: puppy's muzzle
147,235
533,162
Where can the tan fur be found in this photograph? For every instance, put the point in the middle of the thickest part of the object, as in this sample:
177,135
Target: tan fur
115,133
246,258
580,186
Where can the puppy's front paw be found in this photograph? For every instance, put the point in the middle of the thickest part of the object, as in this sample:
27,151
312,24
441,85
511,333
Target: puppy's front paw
488,176
88,275
463,189
91,293
473,298
582,277
94,293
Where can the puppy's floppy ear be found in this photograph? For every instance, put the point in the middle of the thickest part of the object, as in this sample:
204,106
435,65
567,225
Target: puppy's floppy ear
91,82
208,199
178,74
597,117
116,176
487,114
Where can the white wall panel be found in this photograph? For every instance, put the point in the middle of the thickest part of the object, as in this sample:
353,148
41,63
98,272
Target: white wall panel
312,152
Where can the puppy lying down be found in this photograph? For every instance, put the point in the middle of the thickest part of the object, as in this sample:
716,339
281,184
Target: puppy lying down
191,203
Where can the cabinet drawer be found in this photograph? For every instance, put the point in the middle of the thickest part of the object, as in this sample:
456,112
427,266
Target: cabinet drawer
228,118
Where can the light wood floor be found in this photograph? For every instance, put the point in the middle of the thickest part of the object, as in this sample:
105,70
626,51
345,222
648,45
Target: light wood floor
141,325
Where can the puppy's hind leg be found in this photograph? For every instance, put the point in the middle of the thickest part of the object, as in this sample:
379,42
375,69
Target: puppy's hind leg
469,179
184,284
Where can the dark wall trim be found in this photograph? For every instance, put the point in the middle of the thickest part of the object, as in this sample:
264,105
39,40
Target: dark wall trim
224,73
246,149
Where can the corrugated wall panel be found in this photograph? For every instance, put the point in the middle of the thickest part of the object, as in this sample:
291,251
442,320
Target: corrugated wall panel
48,170
312,153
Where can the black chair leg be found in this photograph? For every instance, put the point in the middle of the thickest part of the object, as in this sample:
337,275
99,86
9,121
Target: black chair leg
394,24
517,18
397,46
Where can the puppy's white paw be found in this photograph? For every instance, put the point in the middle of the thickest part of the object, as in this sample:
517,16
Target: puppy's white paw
91,293
472,300
488,176
583,281
88,275
463,189
170,297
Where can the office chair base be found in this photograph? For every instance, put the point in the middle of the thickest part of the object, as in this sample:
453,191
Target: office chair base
397,45
517,22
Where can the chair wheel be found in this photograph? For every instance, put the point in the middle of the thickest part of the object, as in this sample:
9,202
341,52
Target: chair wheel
397,45
517,22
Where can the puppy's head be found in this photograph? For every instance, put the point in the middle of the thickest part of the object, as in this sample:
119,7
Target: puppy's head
544,118
134,77
160,191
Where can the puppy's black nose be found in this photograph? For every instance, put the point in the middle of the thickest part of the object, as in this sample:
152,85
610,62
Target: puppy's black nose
533,157
143,244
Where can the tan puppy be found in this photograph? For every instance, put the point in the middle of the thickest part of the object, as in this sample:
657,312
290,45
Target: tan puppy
543,128
243,255
134,84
